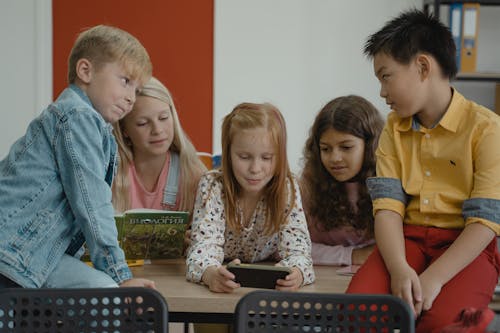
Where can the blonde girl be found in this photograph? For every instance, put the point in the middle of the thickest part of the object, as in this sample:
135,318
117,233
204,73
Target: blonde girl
158,165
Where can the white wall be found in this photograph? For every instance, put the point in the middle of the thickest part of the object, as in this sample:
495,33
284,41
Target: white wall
299,54
296,54
25,65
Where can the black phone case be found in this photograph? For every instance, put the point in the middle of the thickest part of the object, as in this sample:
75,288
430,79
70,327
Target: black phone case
257,278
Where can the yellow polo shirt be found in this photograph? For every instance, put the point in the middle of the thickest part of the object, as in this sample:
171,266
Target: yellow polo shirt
445,177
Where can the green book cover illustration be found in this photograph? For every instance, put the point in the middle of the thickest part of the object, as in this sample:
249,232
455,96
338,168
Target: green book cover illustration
152,234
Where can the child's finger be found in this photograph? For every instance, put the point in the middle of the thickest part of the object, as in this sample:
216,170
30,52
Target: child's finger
227,275
231,284
287,282
287,286
407,296
293,275
418,308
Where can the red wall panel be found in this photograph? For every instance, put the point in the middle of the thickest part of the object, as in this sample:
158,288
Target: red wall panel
178,36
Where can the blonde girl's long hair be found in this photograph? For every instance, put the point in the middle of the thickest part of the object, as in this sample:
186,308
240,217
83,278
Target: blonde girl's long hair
191,167
279,199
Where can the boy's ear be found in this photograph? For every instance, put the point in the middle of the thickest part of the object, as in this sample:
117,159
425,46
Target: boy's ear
423,65
84,70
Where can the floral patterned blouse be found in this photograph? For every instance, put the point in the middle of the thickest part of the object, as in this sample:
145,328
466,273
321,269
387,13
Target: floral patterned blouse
212,243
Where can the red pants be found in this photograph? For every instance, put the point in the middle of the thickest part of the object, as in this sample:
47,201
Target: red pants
471,287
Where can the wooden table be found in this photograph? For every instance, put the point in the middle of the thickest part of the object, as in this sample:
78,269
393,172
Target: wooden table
195,303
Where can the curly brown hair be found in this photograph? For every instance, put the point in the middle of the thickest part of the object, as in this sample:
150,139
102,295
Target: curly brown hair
324,197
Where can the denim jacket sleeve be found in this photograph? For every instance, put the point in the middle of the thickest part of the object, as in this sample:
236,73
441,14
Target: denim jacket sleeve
85,153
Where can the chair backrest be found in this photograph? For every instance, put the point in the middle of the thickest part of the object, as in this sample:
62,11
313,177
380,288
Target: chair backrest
277,311
206,158
83,310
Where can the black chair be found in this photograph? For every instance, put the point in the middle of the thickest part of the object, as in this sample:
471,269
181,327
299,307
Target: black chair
275,311
96,310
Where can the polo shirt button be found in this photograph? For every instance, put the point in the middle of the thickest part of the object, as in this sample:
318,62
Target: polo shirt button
426,201
428,173
427,136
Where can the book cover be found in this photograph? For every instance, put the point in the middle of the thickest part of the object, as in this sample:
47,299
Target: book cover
145,234
152,234
470,27
456,12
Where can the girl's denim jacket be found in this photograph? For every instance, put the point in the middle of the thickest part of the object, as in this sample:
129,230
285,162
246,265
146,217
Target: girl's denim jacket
55,193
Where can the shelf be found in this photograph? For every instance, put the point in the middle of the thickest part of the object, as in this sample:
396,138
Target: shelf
437,3
478,76
447,2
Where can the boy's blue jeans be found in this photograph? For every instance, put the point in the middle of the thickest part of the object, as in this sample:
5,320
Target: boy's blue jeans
71,273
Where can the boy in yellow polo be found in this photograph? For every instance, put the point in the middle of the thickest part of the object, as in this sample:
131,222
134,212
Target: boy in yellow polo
436,197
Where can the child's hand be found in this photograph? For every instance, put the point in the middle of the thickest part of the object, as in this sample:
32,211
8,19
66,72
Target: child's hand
292,281
138,282
431,288
219,279
405,284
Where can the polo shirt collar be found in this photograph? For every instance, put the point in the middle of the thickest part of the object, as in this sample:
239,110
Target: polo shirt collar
449,121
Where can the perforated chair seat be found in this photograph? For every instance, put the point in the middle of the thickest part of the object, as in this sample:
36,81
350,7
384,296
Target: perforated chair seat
275,311
109,310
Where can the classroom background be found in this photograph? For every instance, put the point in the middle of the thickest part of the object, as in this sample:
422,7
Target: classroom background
214,54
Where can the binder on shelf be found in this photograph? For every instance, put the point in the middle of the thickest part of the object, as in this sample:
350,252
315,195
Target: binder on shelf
456,29
470,27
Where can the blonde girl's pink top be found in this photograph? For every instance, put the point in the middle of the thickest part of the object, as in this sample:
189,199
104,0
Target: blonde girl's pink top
140,197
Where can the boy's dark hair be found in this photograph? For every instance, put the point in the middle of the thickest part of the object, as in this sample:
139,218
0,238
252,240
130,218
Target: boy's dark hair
412,32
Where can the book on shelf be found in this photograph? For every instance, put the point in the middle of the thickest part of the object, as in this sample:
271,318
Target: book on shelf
470,27
146,234
456,12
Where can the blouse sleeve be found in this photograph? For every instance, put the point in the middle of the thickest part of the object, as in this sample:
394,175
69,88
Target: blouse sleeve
295,242
323,254
207,231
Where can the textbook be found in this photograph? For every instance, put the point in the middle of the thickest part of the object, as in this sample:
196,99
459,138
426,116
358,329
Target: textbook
145,234
151,233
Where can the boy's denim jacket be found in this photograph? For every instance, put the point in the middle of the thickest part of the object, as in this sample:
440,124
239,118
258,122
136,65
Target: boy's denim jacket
55,193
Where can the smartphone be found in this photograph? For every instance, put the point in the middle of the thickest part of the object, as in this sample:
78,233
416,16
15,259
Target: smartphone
257,276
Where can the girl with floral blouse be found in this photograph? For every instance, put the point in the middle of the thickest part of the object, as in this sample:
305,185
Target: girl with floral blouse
250,210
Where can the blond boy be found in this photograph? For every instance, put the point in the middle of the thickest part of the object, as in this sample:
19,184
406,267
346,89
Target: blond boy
55,182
